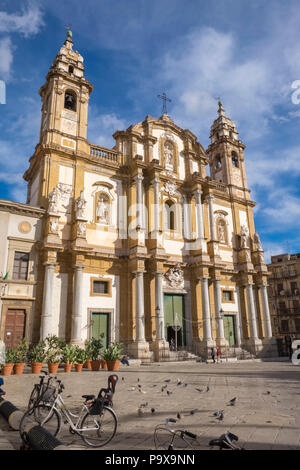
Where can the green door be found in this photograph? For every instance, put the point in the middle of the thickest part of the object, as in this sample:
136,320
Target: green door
229,329
100,327
174,318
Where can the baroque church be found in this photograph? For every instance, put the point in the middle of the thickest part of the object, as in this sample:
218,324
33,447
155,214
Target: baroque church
134,243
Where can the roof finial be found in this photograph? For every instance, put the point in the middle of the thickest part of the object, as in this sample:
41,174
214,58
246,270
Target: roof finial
221,110
69,32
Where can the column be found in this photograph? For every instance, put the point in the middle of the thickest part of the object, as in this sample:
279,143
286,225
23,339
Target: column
77,306
140,316
206,310
46,319
199,211
139,200
266,312
186,219
252,312
218,307
156,205
238,319
213,235
159,302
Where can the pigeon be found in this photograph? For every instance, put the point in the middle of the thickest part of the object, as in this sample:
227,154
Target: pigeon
232,402
123,379
141,391
152,410
221,416
207,389
219,413
199,389
178,415
268,392
163,387
144,405
192,412
169,393
155,385
131,389
179,382
168,380
140,412
139,386
185,385
138,379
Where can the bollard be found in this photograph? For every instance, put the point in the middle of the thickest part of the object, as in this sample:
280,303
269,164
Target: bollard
12,415
38,438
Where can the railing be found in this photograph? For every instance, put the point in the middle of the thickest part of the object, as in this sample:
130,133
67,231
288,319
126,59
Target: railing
289,311
284,274
104,153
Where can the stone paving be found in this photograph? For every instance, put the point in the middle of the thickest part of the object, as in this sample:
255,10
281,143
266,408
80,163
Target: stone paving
266,414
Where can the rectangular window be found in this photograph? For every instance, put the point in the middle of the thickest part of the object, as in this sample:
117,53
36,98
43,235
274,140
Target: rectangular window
297,324
294,287
284,326
227,295
100,287
279,288
20,269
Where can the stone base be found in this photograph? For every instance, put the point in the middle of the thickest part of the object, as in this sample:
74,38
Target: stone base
222,343
253,345
139,350
161,350
203,347
269,348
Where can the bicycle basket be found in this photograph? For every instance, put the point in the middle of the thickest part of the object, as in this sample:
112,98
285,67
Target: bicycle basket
97,407
47,394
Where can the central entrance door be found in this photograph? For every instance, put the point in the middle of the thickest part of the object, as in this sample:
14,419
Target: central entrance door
174,319
14,327
100,322
229,329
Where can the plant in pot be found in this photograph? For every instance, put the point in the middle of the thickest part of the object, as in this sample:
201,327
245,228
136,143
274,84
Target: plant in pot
69,357
96,345
36,357
54,347
113,355
21,352
80,357
88,353
7,368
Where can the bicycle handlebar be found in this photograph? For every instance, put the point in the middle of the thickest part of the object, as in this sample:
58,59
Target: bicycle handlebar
190,434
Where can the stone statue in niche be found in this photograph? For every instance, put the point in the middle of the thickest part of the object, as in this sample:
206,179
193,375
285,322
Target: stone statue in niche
80,204
257,242
103,209
169,155
244,236
53,227
81,229
53,201
221,233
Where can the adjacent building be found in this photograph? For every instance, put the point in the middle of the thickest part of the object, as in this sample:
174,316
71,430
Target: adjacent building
137,242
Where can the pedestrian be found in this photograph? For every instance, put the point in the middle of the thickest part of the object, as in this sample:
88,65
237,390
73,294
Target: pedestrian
218,355
125,361
213,354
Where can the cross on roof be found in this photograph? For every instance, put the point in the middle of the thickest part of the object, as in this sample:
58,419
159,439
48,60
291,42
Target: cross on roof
164,99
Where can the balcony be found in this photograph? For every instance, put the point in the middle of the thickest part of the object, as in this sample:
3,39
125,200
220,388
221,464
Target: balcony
288,311
104,154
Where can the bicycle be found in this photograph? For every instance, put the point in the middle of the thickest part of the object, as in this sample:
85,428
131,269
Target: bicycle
226,442
164,436
95,416
42,393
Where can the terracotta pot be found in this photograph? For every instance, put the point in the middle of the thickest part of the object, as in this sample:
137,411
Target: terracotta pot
103,364
18,368
36,367
7,369
78,367
113,365
88,364
95,365
68,367
53,367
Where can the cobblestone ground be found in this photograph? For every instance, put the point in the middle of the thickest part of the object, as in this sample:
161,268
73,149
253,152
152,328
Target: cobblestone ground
266,414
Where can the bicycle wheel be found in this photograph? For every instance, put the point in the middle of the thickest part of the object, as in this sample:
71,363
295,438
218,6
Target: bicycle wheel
162,438
98,430
33,397
41,415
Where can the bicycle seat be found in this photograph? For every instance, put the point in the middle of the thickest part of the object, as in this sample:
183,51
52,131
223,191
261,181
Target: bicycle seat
225,441
112,382
88,397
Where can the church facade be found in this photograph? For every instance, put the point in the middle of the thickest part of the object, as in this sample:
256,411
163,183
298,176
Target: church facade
137,242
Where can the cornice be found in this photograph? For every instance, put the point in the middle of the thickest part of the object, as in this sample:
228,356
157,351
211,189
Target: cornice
21,209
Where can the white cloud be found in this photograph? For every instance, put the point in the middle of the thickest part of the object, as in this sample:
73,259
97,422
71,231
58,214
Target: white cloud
6,57
28,22
102,126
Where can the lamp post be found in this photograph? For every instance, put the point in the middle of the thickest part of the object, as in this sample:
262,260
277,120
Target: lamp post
158,323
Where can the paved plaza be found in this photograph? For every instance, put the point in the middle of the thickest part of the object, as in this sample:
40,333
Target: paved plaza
266,414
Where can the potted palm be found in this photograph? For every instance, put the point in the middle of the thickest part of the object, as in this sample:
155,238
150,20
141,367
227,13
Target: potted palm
95,346
88,353
21,352
36,357
54,347
7,368
80,357
113,355
69,357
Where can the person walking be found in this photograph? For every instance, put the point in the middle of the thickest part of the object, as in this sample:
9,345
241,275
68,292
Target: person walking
218,355
213,354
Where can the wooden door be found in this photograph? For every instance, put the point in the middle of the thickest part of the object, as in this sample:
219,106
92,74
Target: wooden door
14,327
100,327
229,329
174,318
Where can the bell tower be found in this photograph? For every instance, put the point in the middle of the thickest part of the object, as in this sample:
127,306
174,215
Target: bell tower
226,152
65,97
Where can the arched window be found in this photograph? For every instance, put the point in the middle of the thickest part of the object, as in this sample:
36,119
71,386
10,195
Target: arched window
218,162
71,69
70,100
103,209
170,215
235,159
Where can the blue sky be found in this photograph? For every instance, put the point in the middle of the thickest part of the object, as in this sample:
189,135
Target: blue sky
246,51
